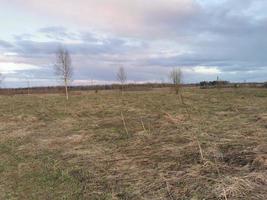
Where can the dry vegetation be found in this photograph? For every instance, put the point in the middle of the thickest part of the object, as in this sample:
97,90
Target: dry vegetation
80,149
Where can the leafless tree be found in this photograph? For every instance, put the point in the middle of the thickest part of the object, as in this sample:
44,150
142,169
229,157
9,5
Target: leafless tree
176,78
63,68
122,76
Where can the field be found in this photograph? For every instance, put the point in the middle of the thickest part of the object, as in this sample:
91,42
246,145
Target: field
136,145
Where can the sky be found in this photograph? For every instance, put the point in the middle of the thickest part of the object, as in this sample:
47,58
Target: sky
205,38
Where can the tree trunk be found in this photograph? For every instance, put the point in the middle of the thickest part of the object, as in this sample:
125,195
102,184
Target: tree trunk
177,88
66,89
122,87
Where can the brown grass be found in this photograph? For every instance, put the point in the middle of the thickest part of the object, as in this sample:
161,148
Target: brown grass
144,147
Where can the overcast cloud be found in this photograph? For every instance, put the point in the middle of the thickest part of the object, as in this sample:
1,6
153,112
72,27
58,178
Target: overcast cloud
206,38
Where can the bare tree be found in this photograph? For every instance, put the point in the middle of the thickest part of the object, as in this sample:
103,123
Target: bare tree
63,68
122,76
176,78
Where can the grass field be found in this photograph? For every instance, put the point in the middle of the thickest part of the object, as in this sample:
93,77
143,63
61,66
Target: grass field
139,145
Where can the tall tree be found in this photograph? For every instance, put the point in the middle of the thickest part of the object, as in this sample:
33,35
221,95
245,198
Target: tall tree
63,68
122,76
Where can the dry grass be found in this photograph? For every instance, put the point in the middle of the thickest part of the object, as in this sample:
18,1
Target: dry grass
143,146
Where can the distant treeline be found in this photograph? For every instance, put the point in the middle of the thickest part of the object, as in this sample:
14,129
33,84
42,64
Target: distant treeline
210,84
227,84
128,87
96,88
213,83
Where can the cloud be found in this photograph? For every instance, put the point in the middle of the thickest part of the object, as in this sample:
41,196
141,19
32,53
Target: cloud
5,44
11,54
111,46
58,33
157,19
204,70
9,67
135,17
204,37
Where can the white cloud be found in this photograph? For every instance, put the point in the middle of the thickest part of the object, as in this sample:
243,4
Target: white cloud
91,82
202,70
206,70
10,54
10,67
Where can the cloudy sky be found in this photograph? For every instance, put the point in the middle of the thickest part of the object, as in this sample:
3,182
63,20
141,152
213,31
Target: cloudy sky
206,38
